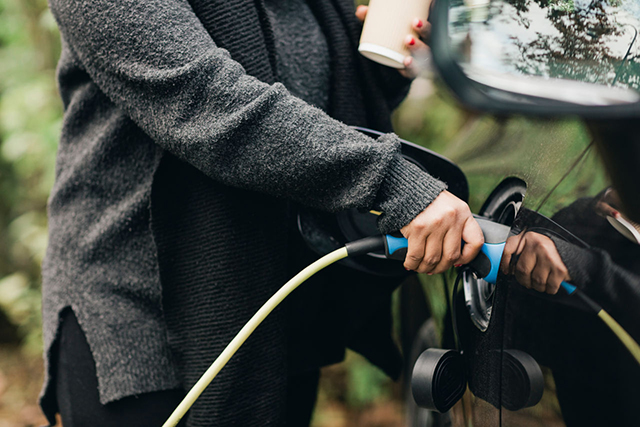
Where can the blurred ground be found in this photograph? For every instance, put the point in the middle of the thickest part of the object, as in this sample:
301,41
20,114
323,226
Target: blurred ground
354,393
20,381
340,404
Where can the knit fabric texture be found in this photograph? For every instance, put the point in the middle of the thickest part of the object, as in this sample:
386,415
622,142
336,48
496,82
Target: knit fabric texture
302,54
176,161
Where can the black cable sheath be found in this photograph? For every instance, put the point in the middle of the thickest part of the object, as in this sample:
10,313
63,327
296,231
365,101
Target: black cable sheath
364,246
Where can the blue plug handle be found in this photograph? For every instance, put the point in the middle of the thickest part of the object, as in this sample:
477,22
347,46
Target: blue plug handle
396,248
493,251
568,287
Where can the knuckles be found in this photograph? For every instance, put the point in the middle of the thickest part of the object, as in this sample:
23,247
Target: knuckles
451,257
436,222
538,284
413,258
522,269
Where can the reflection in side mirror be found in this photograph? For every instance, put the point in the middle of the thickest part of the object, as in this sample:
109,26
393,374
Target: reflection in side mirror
581,93
541,53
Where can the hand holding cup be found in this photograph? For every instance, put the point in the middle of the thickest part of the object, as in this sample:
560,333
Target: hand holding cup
393,36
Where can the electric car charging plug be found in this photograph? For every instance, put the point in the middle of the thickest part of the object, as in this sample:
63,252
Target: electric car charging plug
486,265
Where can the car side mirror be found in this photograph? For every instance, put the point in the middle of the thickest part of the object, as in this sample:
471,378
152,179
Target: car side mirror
541,57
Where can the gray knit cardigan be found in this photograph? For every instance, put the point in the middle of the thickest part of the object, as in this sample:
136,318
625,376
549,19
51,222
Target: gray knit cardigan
156,112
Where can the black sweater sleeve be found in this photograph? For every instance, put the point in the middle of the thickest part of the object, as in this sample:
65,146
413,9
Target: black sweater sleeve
614,288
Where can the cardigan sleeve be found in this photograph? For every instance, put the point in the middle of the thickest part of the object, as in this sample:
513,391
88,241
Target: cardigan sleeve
156,62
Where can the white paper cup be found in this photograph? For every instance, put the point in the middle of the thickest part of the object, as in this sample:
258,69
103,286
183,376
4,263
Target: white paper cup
387,25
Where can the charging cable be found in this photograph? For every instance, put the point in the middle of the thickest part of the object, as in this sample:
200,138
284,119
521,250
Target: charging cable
615,327
395,247
359,247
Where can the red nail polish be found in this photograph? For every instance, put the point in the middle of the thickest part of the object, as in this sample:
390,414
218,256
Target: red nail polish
429,274
412,41
419,23
458,265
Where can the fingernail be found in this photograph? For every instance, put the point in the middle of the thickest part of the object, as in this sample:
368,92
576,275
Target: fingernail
410,41
408,269
408,61
458,265
418,23
429,274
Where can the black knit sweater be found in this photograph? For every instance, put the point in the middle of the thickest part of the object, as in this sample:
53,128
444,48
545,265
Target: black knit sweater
169,215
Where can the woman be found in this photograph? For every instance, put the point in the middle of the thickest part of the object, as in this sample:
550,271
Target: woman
191,129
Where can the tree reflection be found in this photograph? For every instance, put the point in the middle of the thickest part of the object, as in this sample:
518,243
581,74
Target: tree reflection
594,41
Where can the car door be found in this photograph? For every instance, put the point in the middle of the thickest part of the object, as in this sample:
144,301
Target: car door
533,358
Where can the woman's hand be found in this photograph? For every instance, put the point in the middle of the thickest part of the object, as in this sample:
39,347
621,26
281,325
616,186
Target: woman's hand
417,46
436,235
537,262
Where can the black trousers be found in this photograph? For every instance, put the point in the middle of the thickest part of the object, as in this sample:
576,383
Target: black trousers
79,404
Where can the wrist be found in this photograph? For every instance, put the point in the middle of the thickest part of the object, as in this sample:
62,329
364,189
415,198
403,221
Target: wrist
405,192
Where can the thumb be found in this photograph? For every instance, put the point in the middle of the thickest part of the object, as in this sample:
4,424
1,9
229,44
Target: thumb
361,12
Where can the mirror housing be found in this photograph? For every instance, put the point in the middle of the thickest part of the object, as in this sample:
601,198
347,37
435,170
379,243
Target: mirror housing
511,93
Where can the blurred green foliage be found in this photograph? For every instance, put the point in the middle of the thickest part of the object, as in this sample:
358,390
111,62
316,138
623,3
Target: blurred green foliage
30,118
489,149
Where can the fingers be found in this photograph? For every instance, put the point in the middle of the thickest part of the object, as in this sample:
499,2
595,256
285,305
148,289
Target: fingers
510,249
415,250
435,235
539,265
361,12
419,59
416,43
524,268
420,53
559,273
423,29
473,239
410,71
433,253
539,277
553,282
451,251
414,66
